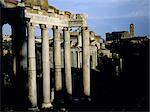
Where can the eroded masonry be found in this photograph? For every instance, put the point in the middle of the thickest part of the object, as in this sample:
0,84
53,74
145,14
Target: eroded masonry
79,48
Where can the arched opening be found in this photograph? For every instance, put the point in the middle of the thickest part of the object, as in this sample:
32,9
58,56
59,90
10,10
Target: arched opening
7,53
7,29
8,66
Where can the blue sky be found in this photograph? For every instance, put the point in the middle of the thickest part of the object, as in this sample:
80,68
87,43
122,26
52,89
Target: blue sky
108,15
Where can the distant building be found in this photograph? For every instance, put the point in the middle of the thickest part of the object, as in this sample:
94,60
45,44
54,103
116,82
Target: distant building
132,30
120,34
117,35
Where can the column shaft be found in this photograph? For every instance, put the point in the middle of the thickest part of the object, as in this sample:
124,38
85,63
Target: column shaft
1,45
74,59
13,51
81,62
94,60
57,59
86,61
117,70
31,67
79,40
45,67
68,77
121,64
78,58
96,57
1,55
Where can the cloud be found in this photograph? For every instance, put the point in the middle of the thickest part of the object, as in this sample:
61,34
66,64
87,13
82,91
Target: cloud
103,12
130,15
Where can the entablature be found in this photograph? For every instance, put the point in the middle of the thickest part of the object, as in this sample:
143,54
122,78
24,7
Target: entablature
62,20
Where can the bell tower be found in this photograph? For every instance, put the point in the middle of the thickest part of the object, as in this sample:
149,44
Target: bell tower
132,30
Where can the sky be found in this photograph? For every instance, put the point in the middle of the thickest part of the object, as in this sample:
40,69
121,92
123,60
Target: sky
109,15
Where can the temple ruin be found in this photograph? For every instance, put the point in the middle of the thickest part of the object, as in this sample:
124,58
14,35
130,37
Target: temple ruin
79,48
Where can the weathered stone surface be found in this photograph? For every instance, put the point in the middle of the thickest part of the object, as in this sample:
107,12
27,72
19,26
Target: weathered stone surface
46,67
31,67
31,2
86,61
57,59
68,76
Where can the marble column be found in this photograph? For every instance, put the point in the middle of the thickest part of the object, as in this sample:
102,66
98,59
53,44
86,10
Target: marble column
79,40
93,60
45,67
52,95
57,59
68,77
13,51
86,61
72,62
31,67
1,55
95,57
14,65
62,58
1,48
96,52
117,70
75,58
78,58
121,64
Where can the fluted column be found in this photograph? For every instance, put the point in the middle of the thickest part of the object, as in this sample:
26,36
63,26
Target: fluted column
45,67
86,61
57,59
31,67
68,77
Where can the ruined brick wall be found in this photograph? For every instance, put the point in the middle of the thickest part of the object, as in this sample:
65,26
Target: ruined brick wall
42,3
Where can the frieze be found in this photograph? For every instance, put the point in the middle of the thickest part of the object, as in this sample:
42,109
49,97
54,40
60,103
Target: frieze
58,20
42,19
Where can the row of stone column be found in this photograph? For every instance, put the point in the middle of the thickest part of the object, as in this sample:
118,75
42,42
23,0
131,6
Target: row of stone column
57,63
118,63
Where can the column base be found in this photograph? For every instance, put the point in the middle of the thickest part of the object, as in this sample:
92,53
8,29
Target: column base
33,109
87,98
47,105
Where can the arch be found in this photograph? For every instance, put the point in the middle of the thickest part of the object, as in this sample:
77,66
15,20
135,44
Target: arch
13,19
9,64
7,29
